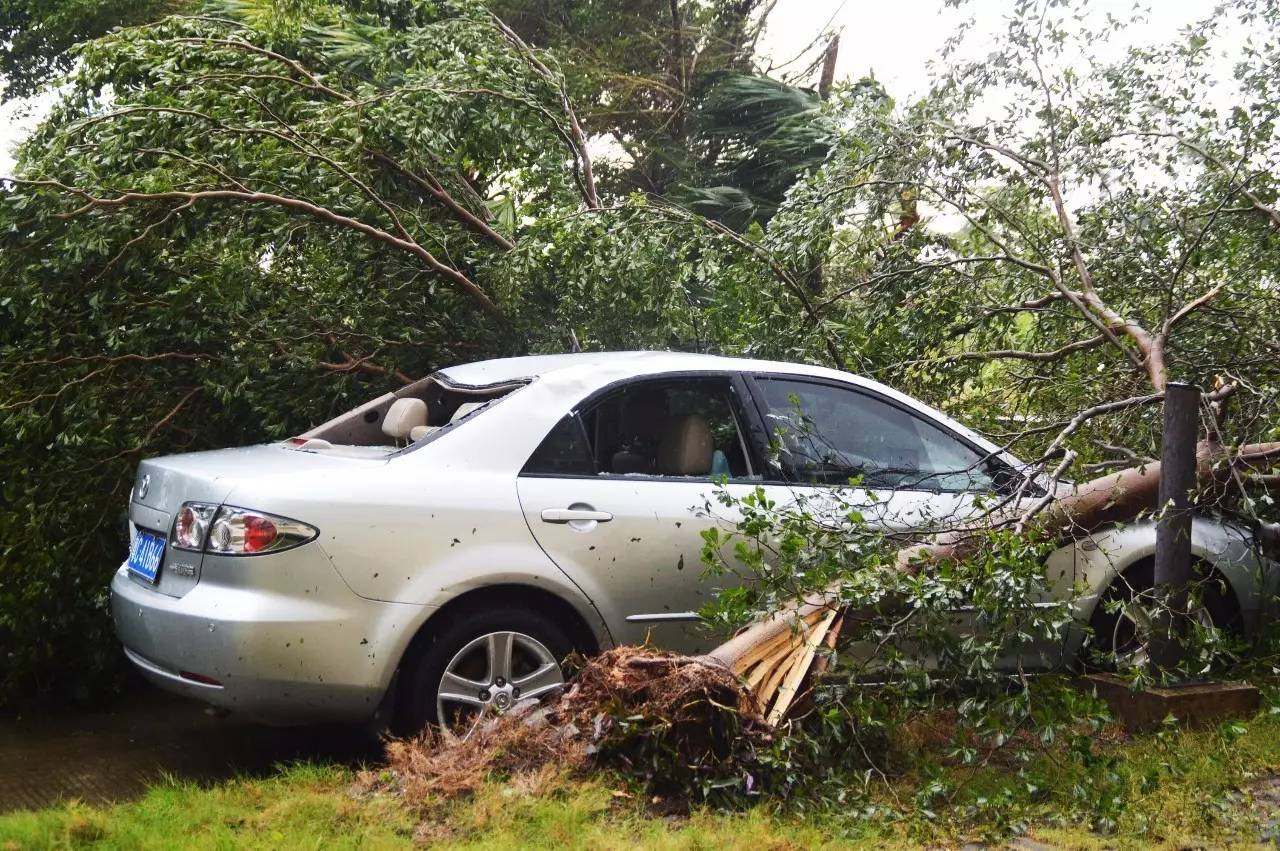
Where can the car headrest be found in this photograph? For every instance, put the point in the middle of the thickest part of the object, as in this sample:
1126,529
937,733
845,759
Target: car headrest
626,461
403,416
685,448
466,408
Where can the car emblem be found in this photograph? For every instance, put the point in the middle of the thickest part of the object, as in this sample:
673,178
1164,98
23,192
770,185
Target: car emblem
144,486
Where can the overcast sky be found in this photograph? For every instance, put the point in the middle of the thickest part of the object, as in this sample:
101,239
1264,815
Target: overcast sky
894,41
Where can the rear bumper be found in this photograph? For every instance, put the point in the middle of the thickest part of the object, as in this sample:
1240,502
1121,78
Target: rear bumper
316,652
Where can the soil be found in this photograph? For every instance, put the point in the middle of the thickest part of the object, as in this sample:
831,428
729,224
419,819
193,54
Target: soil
114,752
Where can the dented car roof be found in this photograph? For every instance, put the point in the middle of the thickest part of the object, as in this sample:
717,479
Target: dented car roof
507,370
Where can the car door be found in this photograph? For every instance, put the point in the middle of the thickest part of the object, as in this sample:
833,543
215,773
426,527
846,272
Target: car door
915,474
620,491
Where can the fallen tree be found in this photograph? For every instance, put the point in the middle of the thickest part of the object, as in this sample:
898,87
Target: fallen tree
635,708
776,655
1042,314
676,721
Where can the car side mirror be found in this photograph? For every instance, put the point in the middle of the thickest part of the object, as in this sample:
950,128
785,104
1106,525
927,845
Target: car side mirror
1007,480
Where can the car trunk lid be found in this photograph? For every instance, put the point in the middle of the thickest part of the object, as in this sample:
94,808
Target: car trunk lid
164,484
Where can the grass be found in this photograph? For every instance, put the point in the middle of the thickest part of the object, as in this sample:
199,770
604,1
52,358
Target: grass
1175,788
1172,789
309,806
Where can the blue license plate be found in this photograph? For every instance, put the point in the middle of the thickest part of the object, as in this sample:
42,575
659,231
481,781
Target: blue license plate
145,556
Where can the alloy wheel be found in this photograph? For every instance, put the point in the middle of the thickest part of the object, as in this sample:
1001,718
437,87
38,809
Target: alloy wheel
492,673
1135,623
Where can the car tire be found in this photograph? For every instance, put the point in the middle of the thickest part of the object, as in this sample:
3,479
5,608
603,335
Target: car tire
535,639
1110,631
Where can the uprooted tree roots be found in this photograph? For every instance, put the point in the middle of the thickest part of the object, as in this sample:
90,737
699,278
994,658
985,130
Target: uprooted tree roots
674,720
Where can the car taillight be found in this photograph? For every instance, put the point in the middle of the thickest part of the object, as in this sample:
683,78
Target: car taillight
241,532
236,531
259,533
192,524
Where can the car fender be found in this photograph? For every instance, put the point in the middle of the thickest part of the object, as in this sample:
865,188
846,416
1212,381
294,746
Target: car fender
1106,554
464,580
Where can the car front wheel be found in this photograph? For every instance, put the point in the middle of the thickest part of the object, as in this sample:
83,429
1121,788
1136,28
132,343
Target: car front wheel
1122,619
480,664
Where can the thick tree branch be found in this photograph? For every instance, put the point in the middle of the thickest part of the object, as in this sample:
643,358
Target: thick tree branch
1087,300
430,185
1092,304
1189,308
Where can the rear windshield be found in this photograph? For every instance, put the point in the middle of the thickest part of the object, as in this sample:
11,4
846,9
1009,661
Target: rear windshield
397,420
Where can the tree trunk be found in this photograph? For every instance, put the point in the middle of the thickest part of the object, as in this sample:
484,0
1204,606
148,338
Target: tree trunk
828,78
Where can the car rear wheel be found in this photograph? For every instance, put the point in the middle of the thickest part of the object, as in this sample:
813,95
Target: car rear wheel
481,664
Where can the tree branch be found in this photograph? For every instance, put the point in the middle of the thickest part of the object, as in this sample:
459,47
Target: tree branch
429,184
1087,301
1189,308
247,47
461,281
582,158
364,364
110,364
1271,213
1016,354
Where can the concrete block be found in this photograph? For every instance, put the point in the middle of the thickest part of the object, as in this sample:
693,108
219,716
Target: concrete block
1199,704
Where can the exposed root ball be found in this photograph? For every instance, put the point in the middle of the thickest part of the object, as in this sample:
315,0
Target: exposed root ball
673,719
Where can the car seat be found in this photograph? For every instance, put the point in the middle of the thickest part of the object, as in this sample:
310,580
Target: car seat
685,448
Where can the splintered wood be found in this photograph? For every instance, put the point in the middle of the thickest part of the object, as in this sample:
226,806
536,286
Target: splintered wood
773,657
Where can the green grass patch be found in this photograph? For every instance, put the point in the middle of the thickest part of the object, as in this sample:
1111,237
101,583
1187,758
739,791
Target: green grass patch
303,806
1173,789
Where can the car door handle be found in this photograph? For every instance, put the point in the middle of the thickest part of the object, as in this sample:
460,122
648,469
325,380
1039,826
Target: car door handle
570,515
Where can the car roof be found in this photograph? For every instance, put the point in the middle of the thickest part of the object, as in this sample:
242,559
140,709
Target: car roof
506,370
573,367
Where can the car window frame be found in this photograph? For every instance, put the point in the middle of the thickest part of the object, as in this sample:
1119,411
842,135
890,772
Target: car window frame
741,407
760,404
465,390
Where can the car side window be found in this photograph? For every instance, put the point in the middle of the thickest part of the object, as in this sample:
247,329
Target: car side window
563,452
826,435
660,428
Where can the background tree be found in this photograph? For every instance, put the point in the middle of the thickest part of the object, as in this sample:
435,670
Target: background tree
36,36
638,70
758,136
236,223
1093,228
672,86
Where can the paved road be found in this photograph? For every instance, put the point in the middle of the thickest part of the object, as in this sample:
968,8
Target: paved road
112,753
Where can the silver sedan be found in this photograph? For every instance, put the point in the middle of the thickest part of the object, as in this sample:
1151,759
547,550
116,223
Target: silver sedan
440,550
